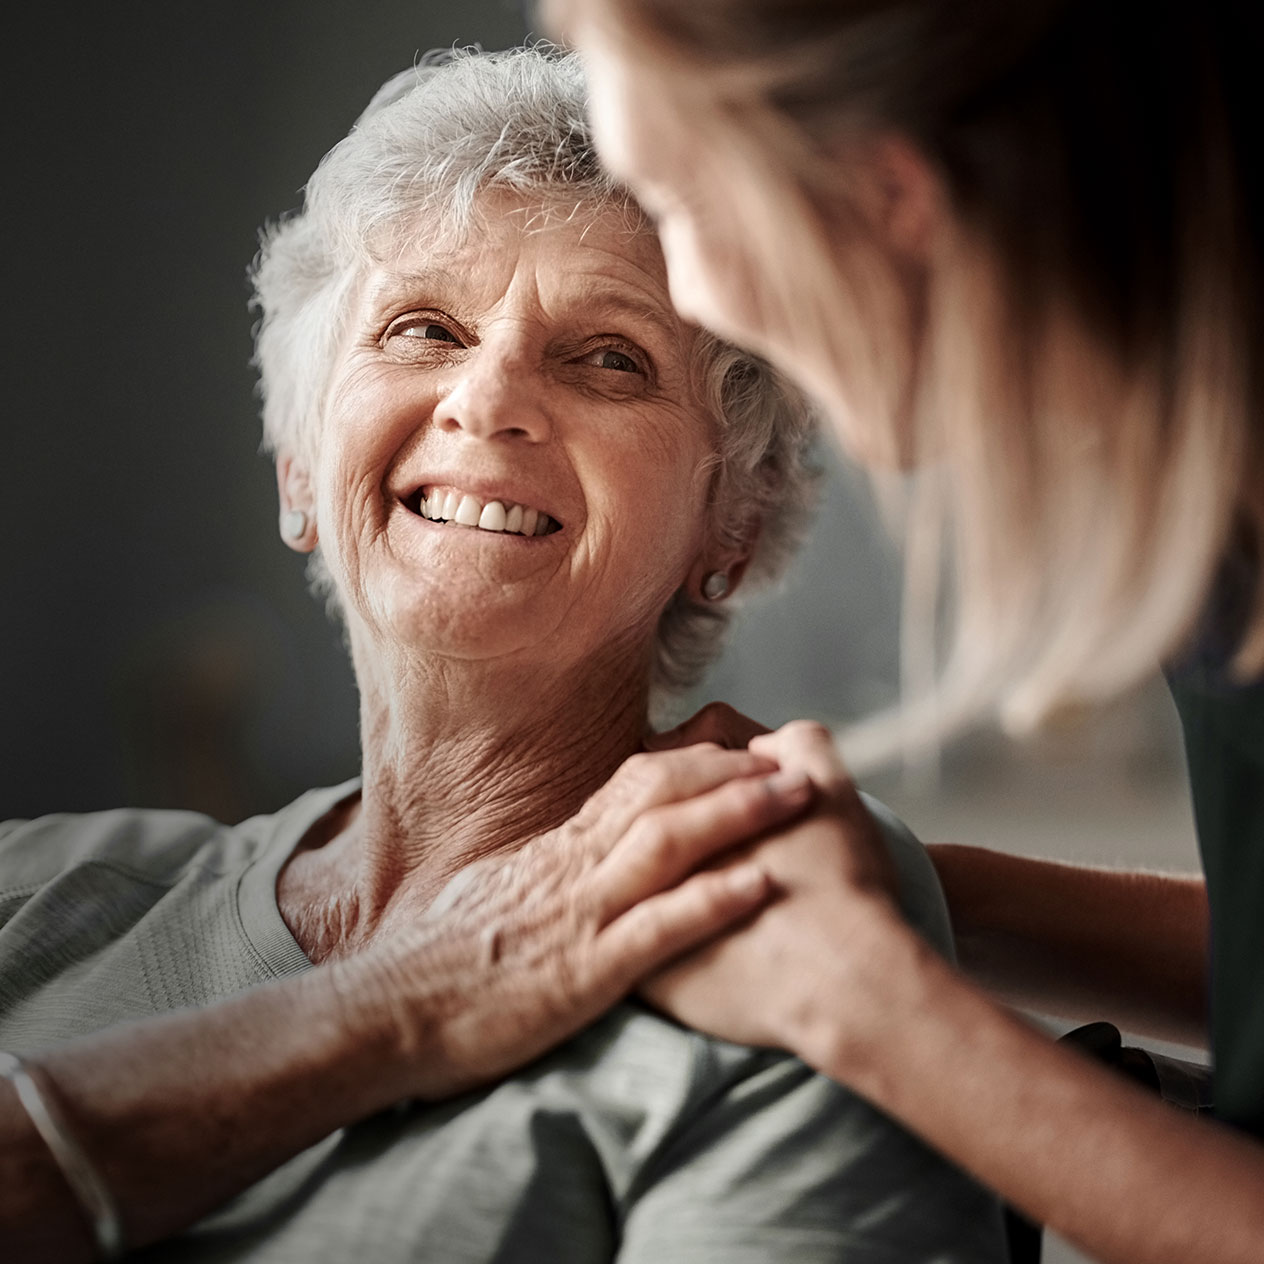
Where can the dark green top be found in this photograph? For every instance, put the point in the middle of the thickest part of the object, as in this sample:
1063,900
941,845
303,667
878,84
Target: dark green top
1224,744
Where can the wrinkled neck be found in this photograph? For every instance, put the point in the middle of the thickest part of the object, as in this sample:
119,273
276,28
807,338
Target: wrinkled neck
460,762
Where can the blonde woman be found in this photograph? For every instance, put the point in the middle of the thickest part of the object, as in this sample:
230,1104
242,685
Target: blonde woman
1019,246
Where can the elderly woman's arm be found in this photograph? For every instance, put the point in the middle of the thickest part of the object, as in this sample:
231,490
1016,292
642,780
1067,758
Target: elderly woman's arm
180,1112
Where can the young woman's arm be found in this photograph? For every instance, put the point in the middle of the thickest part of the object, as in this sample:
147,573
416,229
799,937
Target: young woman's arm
1082,943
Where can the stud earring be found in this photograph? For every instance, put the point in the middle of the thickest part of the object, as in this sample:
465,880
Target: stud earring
716,586
294,524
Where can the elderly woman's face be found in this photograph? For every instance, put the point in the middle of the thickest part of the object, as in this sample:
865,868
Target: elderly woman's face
512,453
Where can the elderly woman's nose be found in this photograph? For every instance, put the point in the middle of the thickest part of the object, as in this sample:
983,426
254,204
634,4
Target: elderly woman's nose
494,397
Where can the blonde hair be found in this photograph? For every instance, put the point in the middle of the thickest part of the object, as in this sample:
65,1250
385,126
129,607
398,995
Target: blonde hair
1086,386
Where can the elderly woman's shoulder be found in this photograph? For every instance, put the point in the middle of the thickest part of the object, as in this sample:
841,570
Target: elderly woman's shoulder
637,1063
151,844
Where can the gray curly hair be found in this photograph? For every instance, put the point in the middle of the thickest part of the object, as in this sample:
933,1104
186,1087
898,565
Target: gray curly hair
434,139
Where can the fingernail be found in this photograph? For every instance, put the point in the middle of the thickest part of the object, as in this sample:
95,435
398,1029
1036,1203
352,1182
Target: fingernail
791,786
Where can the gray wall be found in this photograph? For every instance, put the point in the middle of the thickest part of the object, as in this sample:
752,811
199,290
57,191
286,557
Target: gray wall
158,644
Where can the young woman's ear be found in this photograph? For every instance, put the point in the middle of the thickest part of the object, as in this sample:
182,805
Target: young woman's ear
897,191
298,505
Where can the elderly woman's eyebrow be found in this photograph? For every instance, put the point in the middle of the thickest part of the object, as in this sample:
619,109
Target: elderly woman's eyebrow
664,320
431,281
440,283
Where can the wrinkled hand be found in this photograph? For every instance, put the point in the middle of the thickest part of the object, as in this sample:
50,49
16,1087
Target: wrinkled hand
520,952
716,722
783,975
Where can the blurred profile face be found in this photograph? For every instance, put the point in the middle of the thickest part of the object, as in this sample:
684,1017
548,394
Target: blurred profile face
719,275
513,460
645,141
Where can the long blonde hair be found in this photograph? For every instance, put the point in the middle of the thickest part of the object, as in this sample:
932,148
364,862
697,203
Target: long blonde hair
1087,385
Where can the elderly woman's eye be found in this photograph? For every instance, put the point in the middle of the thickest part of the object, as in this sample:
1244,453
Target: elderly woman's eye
406,338
427,330
620,361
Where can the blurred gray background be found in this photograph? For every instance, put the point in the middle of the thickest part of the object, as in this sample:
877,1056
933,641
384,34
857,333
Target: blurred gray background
159,646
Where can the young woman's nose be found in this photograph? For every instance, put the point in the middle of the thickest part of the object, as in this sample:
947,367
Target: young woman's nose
495,395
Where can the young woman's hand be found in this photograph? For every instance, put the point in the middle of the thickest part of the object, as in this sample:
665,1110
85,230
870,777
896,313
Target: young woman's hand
781,977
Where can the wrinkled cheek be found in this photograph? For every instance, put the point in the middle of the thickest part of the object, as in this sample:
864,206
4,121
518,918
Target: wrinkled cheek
344,544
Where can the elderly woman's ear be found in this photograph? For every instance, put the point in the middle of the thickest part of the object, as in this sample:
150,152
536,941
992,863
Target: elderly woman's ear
298,508
717,573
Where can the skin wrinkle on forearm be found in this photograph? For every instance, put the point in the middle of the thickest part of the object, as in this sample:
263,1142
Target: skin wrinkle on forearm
1081,942
130,1094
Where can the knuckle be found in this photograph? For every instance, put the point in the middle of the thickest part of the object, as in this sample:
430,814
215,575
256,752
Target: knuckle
659,842
645,931
647,775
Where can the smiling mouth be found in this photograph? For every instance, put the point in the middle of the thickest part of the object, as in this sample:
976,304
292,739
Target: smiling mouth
449,506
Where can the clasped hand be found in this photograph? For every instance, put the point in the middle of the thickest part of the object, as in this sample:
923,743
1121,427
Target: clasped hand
730,879
522,950
819,947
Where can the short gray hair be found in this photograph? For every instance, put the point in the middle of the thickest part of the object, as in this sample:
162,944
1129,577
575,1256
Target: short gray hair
432,141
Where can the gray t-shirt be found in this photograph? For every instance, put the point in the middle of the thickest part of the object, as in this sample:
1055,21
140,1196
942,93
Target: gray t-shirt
637,1140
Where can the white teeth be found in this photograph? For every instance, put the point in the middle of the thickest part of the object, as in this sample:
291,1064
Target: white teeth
469,511
493,517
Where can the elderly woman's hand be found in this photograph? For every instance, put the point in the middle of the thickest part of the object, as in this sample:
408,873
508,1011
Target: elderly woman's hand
783,977
520,952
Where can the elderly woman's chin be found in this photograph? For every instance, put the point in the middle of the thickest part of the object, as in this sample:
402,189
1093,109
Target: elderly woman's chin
485,618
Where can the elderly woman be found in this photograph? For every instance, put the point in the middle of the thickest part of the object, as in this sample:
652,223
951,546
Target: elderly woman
527,489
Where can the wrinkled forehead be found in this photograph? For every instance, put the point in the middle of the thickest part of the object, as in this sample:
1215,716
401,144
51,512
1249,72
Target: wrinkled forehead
448,226
572,243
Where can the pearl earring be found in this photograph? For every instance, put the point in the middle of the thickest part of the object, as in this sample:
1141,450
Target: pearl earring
716,586
294,524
